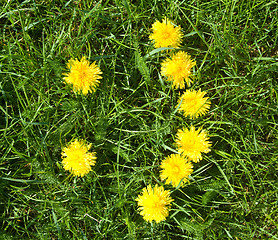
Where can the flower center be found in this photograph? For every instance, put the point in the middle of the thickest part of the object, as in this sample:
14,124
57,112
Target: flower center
192,103
76,157
178,69
176,170
166,35
83,75
156,204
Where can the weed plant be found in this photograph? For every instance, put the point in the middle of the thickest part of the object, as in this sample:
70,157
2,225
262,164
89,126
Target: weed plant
132,119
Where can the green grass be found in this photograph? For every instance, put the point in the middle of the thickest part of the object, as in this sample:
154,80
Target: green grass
131,119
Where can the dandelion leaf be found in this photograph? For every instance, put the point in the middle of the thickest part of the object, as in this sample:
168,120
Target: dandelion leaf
141,64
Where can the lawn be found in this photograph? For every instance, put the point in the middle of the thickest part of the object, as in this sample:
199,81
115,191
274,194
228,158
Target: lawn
132,119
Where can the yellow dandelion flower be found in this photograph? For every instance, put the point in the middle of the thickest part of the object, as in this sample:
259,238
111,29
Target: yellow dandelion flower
176,169
77,159
178,69
166,34
192,143
193,103
153,203
83,75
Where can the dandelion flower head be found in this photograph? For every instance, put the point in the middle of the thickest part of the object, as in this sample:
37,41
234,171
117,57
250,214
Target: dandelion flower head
77,159
176,169
83,76
193,103
166,34
192,143
154,203
178,69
